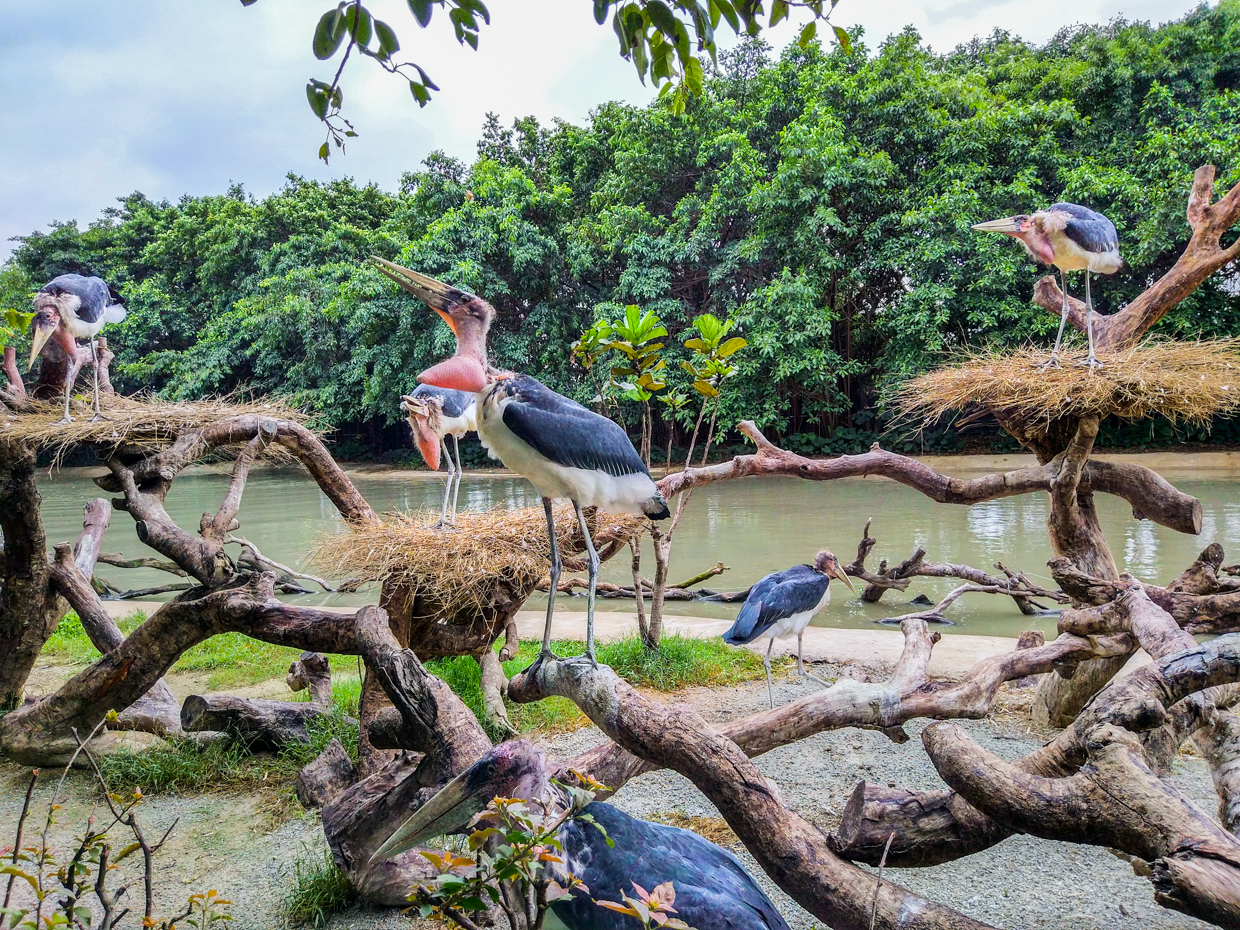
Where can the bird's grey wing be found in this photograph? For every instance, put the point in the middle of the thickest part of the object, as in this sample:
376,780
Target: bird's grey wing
1089,229
92,295
456,403
754,618
566,433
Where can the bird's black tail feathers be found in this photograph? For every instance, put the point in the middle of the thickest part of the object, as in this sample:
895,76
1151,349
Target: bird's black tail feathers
656,508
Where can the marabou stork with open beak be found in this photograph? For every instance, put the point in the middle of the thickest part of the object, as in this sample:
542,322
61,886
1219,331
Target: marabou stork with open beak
72,307
784,603
1072,238
434,414
565,450
713,890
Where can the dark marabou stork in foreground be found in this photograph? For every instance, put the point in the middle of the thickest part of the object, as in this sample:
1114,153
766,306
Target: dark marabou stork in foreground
713,890
784,603
565,450
435,414
1072,238
72,307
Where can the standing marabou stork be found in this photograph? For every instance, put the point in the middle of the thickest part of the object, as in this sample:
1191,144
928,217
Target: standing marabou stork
73,307
1072,238
713,890
565,450
435,414
784,603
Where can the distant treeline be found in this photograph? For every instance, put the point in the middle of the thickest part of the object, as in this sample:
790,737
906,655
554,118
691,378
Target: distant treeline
823,200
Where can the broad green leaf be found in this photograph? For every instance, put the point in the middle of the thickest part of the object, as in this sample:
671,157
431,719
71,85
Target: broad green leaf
807,33
705,387
841,36
600,10
696,345
327,37
388,44
421,10
779,11
735,344
317,96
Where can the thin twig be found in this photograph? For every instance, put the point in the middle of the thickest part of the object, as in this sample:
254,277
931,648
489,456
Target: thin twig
882,864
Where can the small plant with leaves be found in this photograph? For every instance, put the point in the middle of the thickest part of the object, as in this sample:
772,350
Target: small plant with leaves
590,347
652,908
710,367
514,863
640,375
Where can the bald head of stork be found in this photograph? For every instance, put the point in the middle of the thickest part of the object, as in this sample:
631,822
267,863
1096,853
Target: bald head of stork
467,315
825,563
1029,230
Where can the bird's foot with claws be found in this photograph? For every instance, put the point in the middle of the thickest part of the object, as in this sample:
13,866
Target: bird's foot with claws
543,656
1092,363
99,418
804,674
581,659
1052,362
65,419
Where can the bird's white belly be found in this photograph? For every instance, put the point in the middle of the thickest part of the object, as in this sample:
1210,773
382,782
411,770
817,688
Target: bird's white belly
1071,257
796,624
587,486
80,329
457,426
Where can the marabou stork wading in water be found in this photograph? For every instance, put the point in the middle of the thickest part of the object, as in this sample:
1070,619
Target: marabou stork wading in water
1072,238
784,603
565,450
72,307
434,414
713,890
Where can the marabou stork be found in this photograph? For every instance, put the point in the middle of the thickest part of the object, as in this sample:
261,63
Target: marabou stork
72,307
784,603
565,450
1072,238
435,414
713,890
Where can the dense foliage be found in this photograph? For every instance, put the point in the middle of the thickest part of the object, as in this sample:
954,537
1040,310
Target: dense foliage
822,201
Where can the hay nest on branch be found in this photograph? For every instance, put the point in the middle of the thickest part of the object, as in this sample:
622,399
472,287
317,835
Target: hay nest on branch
143,421
460,568
1191,381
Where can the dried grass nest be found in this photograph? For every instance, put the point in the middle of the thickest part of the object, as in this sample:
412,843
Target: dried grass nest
136,421
1191,381
461,567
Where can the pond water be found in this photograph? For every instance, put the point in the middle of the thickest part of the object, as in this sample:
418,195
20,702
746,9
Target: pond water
752,525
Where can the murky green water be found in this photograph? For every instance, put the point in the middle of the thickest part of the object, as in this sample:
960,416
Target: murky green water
753,525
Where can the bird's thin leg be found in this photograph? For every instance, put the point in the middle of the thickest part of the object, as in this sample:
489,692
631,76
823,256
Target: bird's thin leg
594,564
447,488
456,492
1053,361
766,663
94,352
555,581
1092,361
70,377
801,663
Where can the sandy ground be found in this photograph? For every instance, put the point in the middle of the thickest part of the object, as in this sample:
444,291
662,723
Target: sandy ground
232,843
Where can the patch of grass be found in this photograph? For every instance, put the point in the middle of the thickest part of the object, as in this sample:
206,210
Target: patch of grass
228,763
680,661
70,643
319,890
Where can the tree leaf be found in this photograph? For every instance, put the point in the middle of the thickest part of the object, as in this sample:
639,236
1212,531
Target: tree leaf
388,44
600,10
316,94
842,37
735,344
327,37
807,33
422,10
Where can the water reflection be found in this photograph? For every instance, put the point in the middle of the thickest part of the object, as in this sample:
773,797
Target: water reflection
753,525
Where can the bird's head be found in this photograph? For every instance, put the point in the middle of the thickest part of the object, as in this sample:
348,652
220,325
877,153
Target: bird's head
425,413
515,769
467,315
826,563
43,326
1029,229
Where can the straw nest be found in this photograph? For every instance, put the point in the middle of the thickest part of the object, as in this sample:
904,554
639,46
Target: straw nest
142,421
1191,381
461,568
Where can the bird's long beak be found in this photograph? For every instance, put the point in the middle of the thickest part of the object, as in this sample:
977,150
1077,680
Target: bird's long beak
1009,225
38,339
450,810
438,296
837,572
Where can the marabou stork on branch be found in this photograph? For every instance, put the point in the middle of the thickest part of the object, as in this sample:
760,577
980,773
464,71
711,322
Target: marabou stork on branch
565,450
783,603
713,890
72,307
434,414
1072,238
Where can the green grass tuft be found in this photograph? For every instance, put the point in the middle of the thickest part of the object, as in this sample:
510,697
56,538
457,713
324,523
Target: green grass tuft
319,890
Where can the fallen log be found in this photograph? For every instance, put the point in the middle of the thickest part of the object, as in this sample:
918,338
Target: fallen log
326,777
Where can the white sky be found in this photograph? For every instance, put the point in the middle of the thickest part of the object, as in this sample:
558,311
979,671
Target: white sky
186,96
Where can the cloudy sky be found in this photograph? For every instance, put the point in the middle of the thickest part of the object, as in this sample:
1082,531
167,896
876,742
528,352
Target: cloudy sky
186,96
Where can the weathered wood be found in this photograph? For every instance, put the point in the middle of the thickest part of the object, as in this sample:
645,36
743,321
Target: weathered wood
494,684
326,777
791,850
15,389
311,672
263,724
